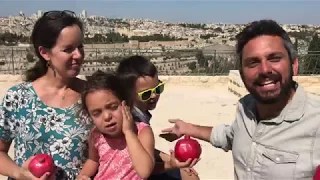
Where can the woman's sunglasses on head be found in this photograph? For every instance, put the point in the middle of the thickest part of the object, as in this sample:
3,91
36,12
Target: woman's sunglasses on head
146,94
58,14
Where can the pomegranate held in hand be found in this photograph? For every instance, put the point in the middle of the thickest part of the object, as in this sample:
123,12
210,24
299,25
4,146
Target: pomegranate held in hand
316,175
41,164
187,148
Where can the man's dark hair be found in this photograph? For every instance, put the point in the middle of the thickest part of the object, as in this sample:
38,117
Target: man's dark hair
134,67
264,27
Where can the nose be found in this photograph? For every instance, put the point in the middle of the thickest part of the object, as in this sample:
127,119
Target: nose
107,116
77,53
153,95
265,67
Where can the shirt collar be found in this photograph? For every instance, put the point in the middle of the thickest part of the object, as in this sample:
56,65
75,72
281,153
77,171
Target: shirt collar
296,107
141,116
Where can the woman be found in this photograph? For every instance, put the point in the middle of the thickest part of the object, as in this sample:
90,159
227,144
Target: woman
41,114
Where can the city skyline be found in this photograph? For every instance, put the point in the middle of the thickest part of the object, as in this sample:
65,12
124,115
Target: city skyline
232,12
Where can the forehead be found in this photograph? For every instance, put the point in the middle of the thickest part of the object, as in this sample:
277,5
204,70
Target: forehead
262,46
146,82
70,35
99,98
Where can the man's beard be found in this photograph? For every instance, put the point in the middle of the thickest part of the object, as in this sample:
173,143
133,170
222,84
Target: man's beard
285,88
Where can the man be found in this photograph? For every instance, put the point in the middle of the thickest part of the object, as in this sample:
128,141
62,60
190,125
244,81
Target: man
140,77
276,131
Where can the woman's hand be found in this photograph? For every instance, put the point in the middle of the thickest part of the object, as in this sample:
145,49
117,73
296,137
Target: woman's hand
25,174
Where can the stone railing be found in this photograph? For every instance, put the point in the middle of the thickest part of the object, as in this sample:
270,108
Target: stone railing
232,82
236,86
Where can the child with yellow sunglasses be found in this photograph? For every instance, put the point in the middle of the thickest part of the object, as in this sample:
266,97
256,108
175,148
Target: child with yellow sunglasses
140,77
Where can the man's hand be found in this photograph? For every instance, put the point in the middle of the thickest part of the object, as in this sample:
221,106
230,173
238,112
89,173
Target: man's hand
179,128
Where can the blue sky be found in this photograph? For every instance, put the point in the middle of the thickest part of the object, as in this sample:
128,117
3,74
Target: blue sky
201,11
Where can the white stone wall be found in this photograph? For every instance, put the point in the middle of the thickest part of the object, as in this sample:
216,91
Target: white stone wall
232,82
236,86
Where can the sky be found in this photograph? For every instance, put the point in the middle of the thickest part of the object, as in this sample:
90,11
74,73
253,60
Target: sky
196,11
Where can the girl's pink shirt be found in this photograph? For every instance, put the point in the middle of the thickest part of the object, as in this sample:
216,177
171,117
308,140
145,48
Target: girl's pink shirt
114,159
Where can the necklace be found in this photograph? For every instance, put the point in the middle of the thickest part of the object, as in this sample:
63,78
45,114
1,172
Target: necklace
64,95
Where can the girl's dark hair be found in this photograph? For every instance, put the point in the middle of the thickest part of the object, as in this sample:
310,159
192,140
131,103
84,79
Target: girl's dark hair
105,81
45,33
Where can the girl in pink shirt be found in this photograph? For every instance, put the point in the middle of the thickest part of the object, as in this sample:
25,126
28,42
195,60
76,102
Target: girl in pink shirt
119,148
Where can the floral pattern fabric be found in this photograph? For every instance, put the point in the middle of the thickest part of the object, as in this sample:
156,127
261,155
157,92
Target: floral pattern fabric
37,128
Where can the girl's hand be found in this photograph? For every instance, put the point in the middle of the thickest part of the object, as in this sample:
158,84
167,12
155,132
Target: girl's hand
174,163
128,125
83,177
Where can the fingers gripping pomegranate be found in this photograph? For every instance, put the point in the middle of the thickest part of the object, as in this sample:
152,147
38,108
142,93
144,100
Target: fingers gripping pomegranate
41,164
187,148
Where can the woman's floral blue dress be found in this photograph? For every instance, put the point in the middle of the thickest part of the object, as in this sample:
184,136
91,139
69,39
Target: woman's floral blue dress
37,128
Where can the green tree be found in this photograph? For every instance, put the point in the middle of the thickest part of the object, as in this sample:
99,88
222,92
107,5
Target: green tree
192,66
296,46
311,63
30,58
201,60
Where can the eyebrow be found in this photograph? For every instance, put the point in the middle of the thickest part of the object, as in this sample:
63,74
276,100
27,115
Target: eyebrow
94,110
106,104
275,54
268,56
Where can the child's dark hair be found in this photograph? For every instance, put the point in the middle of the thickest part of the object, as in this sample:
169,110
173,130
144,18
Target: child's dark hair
104,81
133,67
45,33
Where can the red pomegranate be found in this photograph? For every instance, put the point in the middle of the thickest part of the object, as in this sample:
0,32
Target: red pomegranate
316,175
41,164
187,148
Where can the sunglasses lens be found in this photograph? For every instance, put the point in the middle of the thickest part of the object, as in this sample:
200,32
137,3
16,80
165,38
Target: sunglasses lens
59,14
53,14
69,13
160,89
146,95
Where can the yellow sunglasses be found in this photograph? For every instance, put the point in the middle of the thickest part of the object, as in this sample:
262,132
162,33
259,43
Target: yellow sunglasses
146,94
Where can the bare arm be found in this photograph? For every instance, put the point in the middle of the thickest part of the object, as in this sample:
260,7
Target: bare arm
183,128
90,167
141,149
7,166
220,136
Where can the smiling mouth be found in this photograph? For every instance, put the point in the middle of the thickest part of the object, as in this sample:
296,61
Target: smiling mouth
267,83
75,65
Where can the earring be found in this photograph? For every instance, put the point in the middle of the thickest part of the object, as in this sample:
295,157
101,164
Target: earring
49,66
